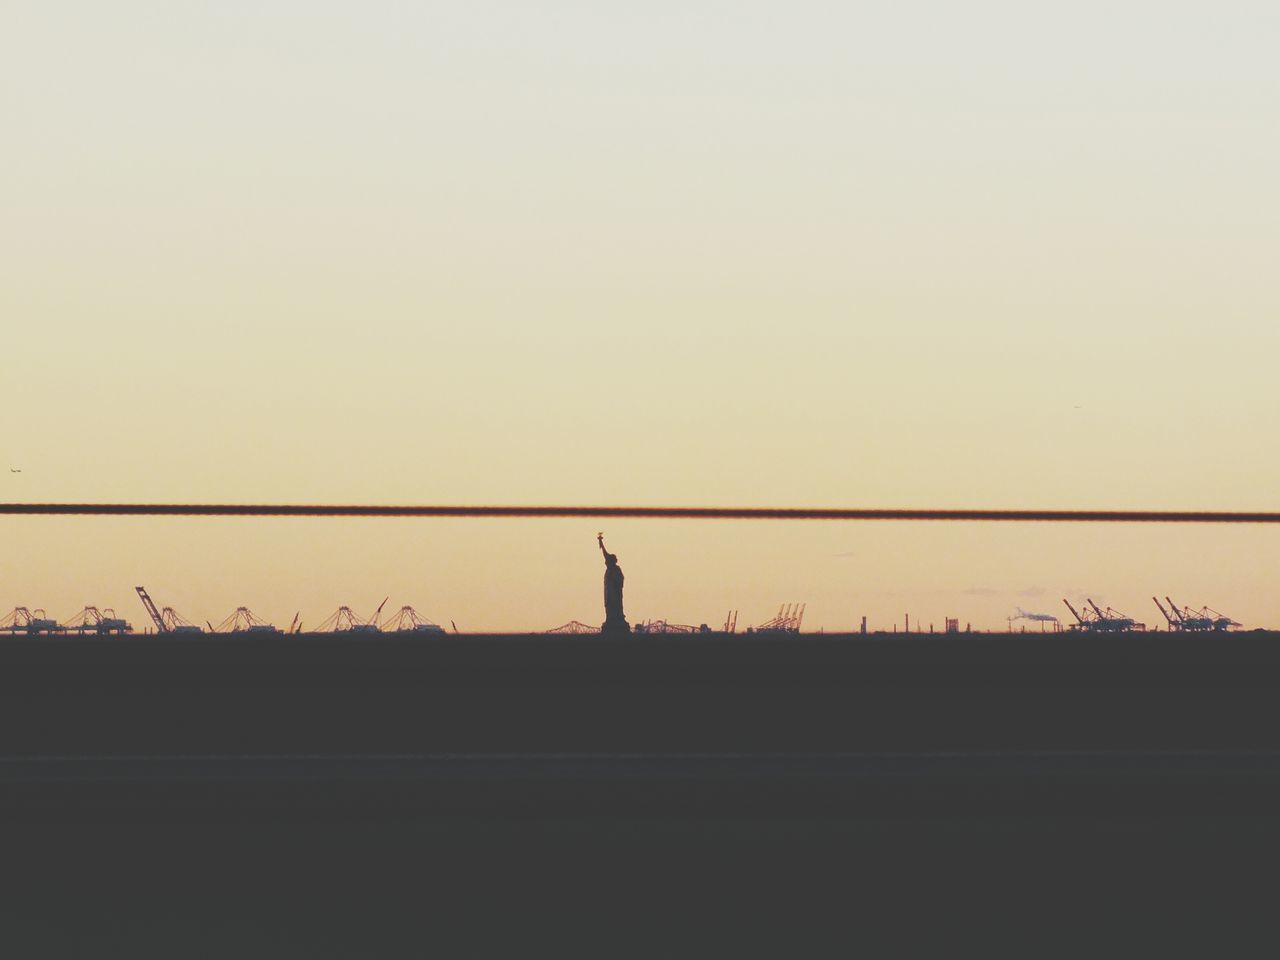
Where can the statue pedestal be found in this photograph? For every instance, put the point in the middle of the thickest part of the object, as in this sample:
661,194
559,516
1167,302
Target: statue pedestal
615,626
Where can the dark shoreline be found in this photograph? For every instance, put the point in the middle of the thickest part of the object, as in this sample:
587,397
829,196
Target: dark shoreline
331,796
407,722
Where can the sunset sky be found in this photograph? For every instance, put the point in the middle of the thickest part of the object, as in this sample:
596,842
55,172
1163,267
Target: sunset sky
733,253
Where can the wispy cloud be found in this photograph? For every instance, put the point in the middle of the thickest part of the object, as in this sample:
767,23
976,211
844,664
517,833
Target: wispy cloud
1027,592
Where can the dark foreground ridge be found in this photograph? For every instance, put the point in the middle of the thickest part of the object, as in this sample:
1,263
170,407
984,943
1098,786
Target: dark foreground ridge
632,725
707,795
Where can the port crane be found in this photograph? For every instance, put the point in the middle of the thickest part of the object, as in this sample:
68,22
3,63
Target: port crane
1204,620
407,620
1097,620
243,620
788,620
101,622
30,622
167,620
1113,621
1081,623
152,612
178,623
346,620
1172,616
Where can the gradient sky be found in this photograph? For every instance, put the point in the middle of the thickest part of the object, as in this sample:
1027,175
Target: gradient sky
874,254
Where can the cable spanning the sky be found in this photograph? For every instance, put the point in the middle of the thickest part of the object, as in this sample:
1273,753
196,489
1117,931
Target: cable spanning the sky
636,513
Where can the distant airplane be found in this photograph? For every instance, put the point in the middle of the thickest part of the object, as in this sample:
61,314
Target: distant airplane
1039,617
11,470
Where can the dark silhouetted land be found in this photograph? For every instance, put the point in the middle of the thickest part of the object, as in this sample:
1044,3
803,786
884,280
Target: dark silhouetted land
330,796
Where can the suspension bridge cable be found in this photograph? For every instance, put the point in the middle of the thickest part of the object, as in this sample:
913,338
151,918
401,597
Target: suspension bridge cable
632,512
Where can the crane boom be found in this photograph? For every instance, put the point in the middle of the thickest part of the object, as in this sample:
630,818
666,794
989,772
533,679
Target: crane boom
1168,616
161,626
1073,611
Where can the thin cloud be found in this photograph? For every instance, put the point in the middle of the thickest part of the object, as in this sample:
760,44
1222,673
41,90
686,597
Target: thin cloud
1028,592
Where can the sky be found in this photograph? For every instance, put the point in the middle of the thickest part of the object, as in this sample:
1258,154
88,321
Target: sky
885,254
